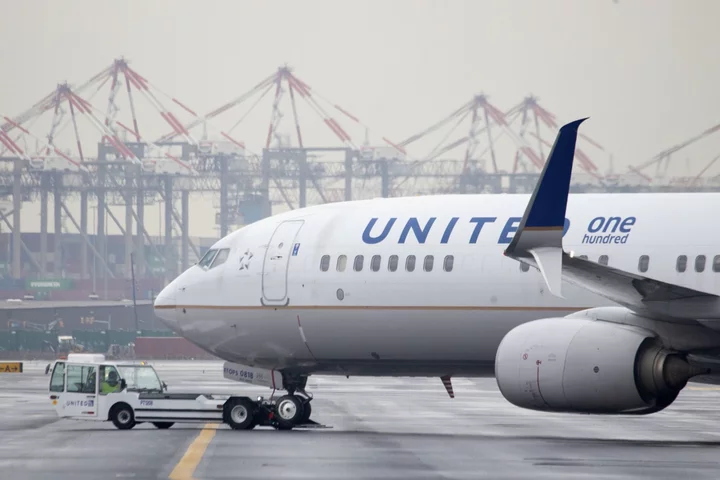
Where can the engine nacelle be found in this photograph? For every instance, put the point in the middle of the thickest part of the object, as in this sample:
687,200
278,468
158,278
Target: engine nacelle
586,366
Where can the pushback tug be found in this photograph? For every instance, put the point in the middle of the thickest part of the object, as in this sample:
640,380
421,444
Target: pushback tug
87,387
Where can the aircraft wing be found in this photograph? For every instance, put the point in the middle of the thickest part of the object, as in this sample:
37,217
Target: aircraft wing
538,241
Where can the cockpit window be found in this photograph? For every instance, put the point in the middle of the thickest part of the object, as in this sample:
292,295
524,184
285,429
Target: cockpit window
221,257
207,259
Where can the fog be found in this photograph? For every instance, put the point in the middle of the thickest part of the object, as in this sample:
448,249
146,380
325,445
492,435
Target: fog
645,71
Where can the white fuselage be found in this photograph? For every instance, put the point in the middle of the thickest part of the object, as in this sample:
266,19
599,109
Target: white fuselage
280,300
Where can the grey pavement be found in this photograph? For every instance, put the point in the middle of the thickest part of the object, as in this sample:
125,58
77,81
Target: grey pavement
382,428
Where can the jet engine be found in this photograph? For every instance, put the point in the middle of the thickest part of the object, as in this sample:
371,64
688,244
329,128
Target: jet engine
586,366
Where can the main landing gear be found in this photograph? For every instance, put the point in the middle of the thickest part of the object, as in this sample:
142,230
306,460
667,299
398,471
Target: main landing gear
287,412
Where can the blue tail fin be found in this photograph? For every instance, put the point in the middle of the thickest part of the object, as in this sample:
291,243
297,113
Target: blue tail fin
539,235
547,206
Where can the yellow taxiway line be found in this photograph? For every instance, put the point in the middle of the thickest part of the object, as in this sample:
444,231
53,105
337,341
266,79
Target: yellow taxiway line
185,468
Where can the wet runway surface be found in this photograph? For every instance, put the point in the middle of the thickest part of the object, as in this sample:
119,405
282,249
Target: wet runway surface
382,428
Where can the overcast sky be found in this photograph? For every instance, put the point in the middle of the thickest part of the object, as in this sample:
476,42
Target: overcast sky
645,71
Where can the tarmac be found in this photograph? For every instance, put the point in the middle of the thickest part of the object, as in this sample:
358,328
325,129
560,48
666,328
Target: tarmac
381,428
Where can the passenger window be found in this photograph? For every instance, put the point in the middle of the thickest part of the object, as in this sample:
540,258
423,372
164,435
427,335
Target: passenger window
57,381
644,263
428,263
410,263
700,263
341,263
207,259
716,263
81,379
448,263
325,263
393,263
358,264
681,263
221,257
375,263
524,267
603,260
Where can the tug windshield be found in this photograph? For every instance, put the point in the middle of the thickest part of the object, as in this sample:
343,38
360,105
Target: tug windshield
140,378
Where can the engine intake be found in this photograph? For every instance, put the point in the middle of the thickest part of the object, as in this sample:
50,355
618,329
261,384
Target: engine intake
586,366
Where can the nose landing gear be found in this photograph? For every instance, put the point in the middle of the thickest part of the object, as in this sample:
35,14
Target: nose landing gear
293,409
287,412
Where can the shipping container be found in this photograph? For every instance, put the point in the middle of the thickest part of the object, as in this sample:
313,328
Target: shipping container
11,284
34,341
157,333
7,341
86,316
48,284
100,341
121,337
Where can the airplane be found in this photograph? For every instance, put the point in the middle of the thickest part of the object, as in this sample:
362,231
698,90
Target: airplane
587,303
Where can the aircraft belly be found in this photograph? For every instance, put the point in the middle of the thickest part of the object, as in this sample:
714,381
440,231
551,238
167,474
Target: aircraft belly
409,335
383,340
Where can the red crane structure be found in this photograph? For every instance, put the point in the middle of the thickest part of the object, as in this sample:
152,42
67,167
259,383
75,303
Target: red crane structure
284,83
286,157
484,117
47,152
60,163
534,120
694,177
48,147
528,126
68,105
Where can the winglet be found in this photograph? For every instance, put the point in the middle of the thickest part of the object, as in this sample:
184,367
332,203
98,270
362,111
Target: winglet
539,235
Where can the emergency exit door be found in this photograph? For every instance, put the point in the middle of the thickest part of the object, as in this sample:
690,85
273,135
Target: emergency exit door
277,260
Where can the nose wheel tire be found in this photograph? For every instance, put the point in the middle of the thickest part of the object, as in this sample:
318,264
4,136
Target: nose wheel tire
122,417
289,411
241,415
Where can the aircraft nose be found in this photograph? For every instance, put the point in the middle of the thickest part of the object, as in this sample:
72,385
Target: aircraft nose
165,304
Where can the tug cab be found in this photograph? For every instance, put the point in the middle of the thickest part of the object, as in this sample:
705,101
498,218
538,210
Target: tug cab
86,386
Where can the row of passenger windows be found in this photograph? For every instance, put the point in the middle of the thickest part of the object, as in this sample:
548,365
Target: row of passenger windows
681,264
682,260
214,258
448,262
393,262
644,263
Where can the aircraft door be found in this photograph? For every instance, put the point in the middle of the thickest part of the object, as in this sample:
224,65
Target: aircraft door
277,261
